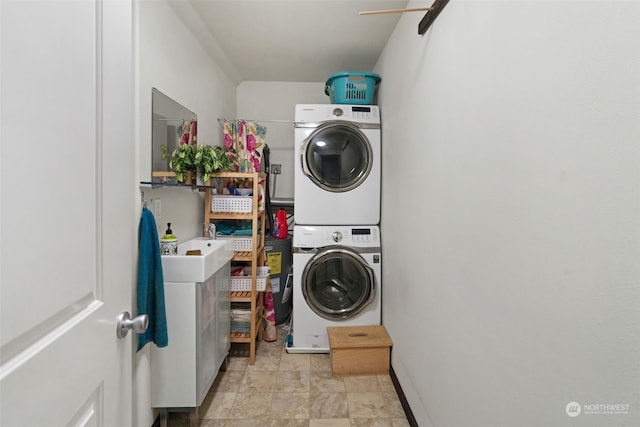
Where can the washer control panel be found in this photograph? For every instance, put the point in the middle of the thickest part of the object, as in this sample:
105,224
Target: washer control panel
366,236
316,236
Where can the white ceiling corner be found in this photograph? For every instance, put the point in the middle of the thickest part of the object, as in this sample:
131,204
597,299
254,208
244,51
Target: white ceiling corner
290,40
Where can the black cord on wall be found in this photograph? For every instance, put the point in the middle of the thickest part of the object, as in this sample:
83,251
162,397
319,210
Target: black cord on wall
267,193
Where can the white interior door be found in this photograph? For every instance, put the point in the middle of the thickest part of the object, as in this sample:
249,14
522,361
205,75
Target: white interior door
67,212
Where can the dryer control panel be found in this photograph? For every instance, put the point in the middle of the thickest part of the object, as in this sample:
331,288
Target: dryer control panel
364,112
318,113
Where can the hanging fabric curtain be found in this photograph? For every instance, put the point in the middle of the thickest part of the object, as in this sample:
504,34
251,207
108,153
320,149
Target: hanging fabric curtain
187,132
244,141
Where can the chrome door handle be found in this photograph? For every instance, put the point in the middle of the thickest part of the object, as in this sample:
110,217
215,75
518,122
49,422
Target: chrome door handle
124,322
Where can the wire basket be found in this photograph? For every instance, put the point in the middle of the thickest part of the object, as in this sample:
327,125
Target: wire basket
223,203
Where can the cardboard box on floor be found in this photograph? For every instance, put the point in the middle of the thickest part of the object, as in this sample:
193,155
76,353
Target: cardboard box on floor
359,350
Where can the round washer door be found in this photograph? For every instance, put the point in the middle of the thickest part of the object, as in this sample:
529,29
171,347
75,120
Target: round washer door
337,283
337,156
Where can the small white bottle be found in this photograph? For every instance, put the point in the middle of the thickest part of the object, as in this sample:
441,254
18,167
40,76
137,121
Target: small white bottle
169,242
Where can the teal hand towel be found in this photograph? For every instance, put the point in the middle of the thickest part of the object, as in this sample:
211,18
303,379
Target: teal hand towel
151,283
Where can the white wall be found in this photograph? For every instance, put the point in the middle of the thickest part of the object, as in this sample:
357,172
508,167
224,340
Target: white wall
170,59
511,212
264,101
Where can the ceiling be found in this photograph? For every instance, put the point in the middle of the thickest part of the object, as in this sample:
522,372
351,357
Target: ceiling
292,40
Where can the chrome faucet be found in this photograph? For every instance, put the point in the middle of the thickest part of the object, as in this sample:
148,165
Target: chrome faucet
210,229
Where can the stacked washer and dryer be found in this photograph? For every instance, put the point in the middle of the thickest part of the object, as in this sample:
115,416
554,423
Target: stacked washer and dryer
336,238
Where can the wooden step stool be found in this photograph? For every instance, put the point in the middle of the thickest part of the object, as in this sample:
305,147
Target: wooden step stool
359,350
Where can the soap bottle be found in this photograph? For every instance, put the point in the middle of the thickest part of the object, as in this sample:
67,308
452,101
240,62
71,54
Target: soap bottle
169,242
281,229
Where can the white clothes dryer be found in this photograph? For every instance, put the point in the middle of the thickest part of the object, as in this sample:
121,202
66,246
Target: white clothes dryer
337,164
336,282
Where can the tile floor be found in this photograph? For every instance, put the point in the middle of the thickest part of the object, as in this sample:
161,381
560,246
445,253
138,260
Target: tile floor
283,389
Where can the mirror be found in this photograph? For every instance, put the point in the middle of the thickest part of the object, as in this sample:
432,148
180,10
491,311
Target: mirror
171,123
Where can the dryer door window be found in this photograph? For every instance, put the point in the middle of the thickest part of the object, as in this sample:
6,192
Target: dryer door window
337,283
337,157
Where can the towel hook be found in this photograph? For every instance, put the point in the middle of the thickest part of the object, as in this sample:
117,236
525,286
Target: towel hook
143,202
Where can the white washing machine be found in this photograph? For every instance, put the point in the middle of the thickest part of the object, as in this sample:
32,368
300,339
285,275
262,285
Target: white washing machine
336,282
337,171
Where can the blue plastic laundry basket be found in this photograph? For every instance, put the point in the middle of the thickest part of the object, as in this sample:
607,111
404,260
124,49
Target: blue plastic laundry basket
352,87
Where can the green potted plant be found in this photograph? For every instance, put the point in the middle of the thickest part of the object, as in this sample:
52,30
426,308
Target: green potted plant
183,162
210,160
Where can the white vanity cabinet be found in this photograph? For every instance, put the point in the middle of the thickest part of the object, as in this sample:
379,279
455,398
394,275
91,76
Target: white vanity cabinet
198,326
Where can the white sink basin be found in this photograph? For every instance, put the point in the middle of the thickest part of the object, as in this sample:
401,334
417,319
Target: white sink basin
182,268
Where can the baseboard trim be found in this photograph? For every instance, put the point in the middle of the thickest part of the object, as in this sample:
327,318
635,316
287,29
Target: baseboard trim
403,399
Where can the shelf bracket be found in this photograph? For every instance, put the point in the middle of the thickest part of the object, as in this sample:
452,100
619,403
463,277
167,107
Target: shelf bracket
431,15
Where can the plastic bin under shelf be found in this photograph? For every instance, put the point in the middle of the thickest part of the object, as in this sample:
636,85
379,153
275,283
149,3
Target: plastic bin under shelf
240,243
223,203
243,283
